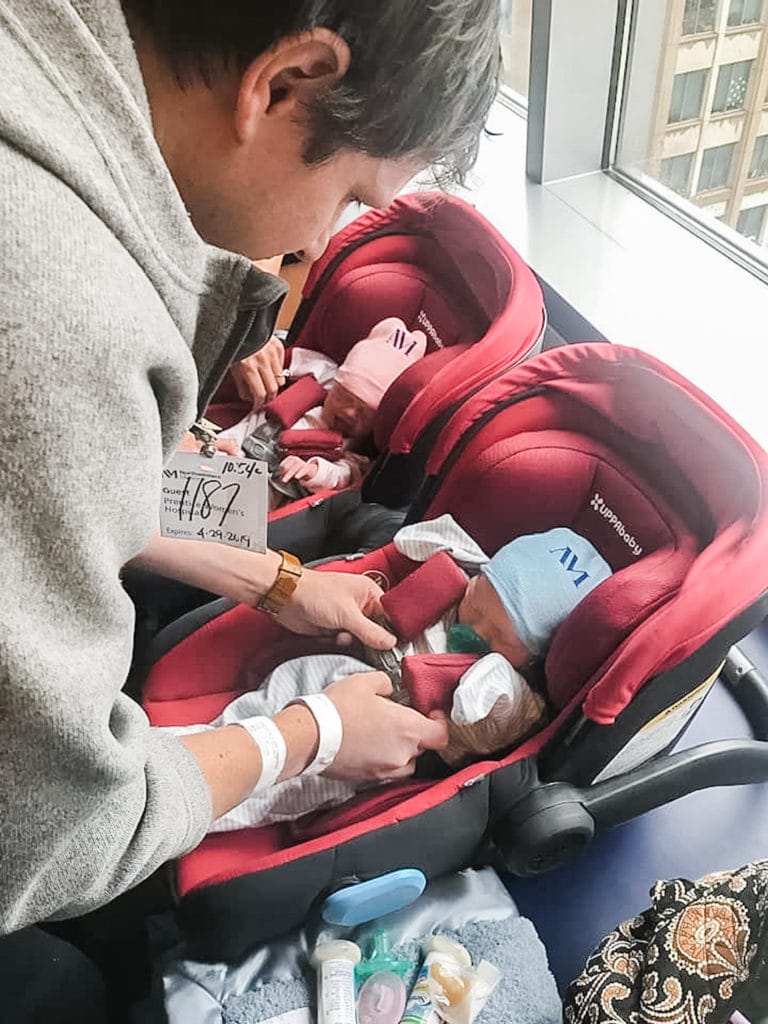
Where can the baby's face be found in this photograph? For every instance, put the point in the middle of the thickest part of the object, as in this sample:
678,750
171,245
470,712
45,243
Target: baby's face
482,609
344,412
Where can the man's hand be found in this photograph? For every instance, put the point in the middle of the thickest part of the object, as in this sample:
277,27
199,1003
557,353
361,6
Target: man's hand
335,602
294,468
381,739
323,602
259,376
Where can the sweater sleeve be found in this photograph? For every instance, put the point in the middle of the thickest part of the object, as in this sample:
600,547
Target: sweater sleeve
94,386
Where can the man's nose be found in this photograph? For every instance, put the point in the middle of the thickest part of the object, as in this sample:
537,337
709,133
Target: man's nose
315,249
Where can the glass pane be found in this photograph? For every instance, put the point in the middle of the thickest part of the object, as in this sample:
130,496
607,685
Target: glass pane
516,44
699,16
716,167
745,12
686,69
676,172
750,222
759,166
687,94
735,12
731,89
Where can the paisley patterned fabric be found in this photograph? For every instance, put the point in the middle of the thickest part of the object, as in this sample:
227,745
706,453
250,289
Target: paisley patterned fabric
689,959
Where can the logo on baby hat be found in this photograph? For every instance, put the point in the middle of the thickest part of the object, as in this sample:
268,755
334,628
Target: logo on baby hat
599,505
570,561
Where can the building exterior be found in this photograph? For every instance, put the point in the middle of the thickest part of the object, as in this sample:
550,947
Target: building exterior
710,123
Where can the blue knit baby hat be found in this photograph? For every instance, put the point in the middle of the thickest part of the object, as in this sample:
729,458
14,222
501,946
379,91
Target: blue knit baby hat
541,577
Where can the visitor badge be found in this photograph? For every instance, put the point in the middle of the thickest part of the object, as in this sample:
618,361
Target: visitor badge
221,499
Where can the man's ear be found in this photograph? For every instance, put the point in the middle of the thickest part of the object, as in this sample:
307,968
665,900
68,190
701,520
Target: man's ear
278,82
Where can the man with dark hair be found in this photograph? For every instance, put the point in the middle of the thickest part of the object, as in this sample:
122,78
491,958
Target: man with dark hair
148,153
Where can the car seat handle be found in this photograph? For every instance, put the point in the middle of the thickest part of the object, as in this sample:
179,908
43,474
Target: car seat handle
720,763
749,688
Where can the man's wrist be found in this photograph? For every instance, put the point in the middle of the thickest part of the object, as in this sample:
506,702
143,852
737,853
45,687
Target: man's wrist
287,577
301,734
254,574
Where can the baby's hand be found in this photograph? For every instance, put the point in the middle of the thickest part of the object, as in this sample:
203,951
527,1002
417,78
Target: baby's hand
294,468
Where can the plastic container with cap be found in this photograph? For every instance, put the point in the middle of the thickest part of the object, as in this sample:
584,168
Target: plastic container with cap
335,965
382,999
437,950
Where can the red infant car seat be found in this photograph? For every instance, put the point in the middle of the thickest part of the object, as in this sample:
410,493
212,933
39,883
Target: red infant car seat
672,492
441,267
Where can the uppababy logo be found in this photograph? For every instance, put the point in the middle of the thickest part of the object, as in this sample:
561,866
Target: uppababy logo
423,321
599,505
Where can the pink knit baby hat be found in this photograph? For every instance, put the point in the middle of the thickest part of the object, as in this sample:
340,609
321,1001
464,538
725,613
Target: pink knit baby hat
376,361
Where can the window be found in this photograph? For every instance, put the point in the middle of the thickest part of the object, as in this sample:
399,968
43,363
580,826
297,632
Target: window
716,167
687,94
699,16
745,12
731,88
750,222
516,45
759,166
676,173
664,111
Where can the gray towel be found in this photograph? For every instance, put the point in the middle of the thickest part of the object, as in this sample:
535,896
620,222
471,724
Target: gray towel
526,994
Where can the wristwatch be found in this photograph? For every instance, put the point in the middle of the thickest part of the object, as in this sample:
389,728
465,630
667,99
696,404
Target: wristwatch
279,594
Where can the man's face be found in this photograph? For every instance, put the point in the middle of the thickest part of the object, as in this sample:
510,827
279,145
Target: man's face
344,412
305,202
274,203
482,609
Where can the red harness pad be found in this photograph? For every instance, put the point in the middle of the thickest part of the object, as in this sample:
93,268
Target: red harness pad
299,397
308,444
430,679
421,598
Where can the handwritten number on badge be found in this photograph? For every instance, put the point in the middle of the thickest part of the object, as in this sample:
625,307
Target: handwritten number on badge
201,499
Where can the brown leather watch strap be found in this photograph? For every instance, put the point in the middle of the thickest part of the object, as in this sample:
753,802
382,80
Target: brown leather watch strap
288,575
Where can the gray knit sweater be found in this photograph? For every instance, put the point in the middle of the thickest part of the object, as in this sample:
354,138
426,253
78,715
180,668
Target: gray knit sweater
112,313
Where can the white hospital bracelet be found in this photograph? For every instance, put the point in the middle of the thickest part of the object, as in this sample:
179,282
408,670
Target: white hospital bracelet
271,747
329,728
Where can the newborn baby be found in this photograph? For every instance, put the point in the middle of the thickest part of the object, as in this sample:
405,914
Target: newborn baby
355,391
510,608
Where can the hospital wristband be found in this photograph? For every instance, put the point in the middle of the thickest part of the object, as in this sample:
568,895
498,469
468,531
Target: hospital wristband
271,744
330,731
